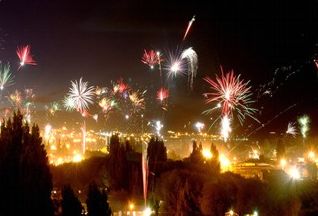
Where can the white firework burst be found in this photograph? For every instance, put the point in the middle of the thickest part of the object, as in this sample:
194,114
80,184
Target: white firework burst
80,96
6,78
291,129
192,58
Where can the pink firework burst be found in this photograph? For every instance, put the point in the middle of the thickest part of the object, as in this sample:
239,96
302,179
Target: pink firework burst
122,87
151,58
162,94
231,94
24,54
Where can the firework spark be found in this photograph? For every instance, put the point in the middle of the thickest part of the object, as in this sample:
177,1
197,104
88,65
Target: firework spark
291,129
80,95
192,58
107,104
137,99
53,108
188,27
225,127
6,78
232,94
150,58
24,54
162,94
304,121
16,98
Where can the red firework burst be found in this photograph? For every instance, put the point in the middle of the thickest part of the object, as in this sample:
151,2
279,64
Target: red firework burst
151,58
24,54
162,94
231,94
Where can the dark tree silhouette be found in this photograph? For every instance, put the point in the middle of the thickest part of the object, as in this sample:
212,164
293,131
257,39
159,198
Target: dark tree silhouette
117,165
71,206
156,151
196,154
25,179
97,202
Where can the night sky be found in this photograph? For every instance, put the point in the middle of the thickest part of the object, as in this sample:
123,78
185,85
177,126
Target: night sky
104,40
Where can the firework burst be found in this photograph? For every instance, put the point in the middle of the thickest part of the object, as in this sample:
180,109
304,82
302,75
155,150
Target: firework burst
80,96
192,58
24,54
52,108
232,94
151,58
6,78
137,99
291,129
162,94
303,122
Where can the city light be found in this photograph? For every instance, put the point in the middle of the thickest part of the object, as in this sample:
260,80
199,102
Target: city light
147,212
294,173
283,163
207,154
311,155
131,206
77,158
224,162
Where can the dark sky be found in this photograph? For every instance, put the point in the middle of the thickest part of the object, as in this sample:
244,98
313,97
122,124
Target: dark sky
104,40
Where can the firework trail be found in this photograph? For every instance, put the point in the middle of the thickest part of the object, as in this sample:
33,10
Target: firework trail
6,78
291,129
145,172
225,127
188,27
192,58
80,95
24,54
303,122
269,121
316,63
15,99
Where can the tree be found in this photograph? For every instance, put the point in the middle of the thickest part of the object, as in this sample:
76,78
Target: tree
117,164
156,151
25,178
71,206
97,202
196,154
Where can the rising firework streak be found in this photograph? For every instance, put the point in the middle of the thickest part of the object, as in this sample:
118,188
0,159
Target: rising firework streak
188,28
